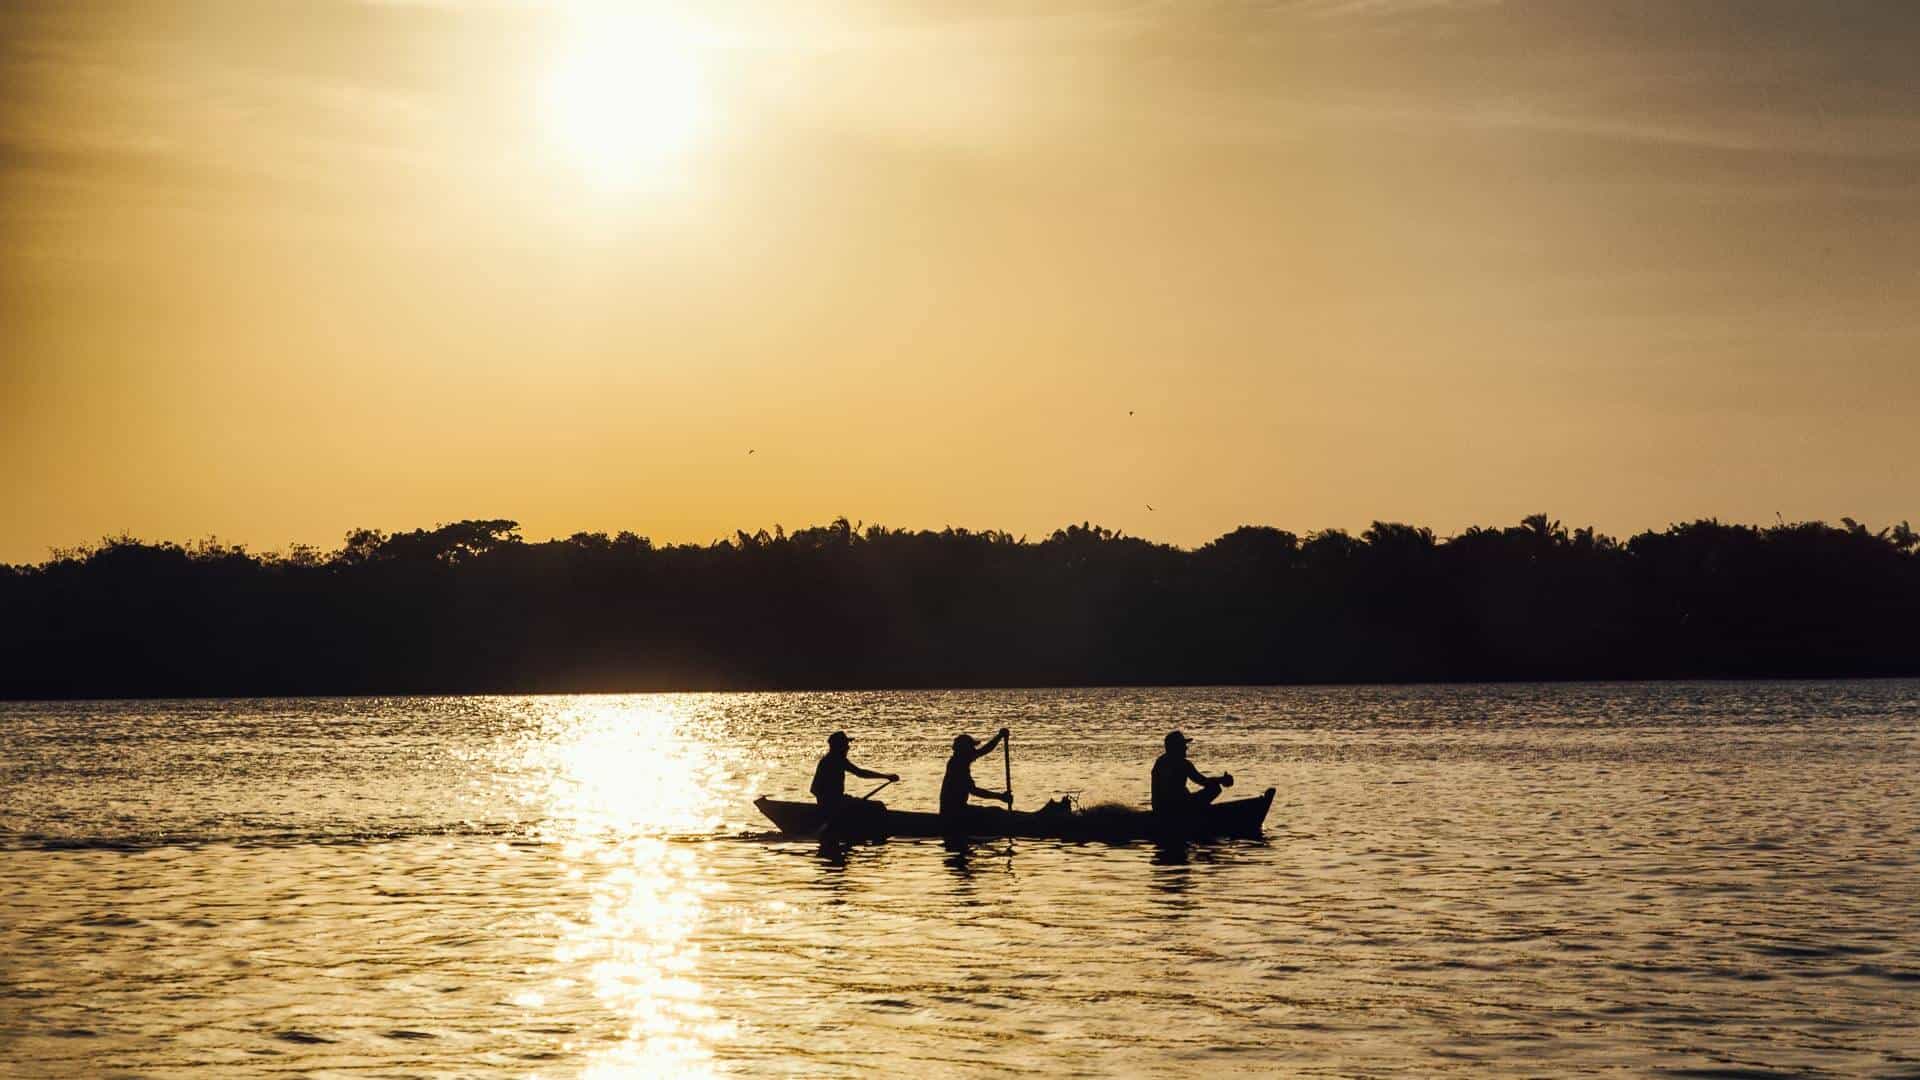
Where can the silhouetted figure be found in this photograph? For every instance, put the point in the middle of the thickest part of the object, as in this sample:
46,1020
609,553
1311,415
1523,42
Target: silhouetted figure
958,786
1172,770
830,780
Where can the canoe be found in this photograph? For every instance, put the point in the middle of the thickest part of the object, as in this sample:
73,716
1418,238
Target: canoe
1233,818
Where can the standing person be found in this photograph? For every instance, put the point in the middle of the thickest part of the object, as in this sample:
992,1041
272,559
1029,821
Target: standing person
1172,770
830,777
958,786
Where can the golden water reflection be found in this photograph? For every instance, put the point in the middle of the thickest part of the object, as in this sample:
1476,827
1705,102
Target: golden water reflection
1541,881
616,780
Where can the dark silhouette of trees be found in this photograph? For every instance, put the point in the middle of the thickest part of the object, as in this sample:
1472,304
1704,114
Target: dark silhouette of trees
471,606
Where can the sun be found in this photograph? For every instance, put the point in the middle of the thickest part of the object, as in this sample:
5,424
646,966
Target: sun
626,100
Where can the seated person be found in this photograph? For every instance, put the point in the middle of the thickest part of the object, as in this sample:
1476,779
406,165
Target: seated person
958,786
1172,770
830,779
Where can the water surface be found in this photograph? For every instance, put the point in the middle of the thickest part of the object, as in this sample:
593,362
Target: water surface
1691,880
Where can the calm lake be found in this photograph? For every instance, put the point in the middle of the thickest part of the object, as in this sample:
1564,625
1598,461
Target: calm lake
1669,879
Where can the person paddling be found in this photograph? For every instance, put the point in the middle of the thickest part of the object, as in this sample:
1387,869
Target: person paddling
830,779
958,786
1172,770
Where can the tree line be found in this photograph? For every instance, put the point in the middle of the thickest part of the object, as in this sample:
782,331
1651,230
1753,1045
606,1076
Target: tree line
473,607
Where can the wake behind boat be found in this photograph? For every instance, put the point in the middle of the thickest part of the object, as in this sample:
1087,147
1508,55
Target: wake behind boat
1233,818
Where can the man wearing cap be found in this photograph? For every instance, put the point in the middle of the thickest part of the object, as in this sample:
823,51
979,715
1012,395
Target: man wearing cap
1172,770
958,786
830,776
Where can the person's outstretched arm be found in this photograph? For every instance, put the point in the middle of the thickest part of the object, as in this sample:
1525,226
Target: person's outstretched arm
1193,774
988,748
860,772
987,793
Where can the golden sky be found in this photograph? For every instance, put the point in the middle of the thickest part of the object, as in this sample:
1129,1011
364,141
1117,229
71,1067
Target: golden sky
271,269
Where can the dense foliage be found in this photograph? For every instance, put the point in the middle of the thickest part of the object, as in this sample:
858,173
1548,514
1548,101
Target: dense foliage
472,607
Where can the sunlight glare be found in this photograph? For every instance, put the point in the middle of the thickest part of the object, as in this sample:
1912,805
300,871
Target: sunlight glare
624,785
615,765
626,100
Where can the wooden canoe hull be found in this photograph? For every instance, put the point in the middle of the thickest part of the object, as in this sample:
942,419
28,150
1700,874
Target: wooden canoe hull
1233,818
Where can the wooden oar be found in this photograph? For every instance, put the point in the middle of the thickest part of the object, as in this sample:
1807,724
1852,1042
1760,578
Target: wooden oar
828,823
1006,747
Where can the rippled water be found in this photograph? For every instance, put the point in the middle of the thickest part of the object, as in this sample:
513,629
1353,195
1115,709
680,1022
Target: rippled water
1695,880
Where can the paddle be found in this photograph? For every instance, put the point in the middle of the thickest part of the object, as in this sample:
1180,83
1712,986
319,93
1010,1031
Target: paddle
1006,747
828,823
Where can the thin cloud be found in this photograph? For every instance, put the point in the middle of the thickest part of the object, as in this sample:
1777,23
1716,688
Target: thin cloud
1348,9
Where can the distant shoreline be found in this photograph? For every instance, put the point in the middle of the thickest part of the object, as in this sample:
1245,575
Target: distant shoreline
470,608
868,690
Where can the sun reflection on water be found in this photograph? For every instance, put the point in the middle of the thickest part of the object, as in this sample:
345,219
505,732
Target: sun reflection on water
617,781
631,768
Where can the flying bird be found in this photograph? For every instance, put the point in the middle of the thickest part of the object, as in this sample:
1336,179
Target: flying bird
749,453
1149,506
